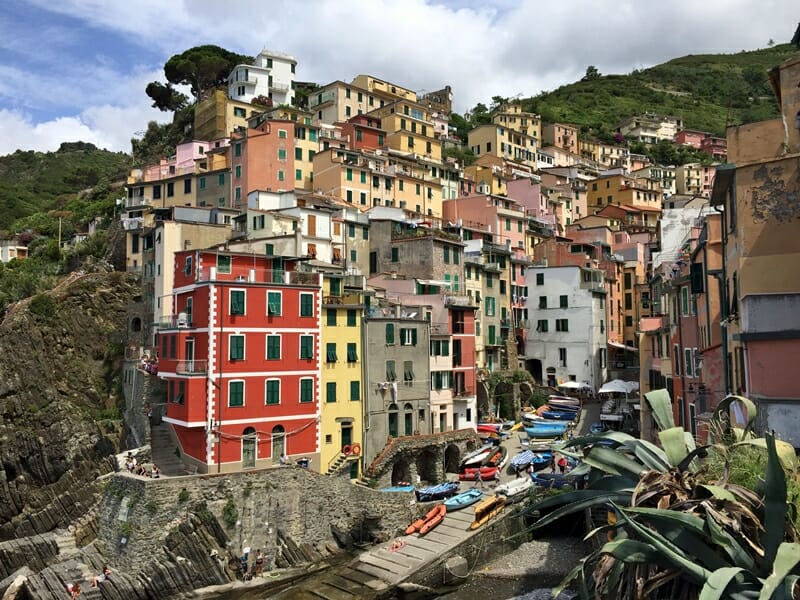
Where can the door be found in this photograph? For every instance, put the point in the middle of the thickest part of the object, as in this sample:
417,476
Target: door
455,421
249,448
188,354
408,418
278,443
347,435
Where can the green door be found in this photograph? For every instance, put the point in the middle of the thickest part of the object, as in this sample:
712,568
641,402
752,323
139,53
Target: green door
347,435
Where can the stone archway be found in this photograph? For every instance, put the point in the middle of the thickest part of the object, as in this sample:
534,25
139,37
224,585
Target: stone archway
428,466
401,472
452,458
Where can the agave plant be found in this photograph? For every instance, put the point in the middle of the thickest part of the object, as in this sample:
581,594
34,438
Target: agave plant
673,531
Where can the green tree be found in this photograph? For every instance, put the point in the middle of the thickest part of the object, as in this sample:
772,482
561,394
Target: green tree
165,97
592,73
202,68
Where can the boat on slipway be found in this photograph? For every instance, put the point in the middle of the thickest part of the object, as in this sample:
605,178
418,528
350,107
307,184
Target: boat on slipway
515,490
547,429
463,499
437,492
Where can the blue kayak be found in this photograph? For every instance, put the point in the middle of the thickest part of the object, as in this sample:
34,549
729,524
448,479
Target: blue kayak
463,499
560,415
398,488
553,480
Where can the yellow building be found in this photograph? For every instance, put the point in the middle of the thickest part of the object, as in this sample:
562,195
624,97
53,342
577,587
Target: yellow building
503,142
409,129
338,101
384,89
625,190
217,116
511,116
491,174
343,389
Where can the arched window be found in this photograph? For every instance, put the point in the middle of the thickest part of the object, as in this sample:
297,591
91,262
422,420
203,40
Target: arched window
249,448
393,424
408,419
136,324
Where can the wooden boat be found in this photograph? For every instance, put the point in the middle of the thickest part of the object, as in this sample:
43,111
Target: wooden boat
560,415
433,518
398,488
476,458
463,499
496,458
547,429
437,492
541,460
515,490
488,509
422,521
565,401
489,427
487,473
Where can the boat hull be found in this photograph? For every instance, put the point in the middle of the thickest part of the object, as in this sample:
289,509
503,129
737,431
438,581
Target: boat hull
546,430
433,518
488,509
463,500
437,492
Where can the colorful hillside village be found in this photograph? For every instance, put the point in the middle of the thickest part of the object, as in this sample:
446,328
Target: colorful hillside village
321,275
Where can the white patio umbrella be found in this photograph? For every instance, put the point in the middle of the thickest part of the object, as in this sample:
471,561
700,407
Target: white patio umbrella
573,385
614,386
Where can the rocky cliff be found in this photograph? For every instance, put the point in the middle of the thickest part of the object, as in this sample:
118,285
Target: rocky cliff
59,421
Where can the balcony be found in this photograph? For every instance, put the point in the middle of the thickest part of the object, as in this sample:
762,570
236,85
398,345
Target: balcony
464,300
280,87
245,275
137,201
191,367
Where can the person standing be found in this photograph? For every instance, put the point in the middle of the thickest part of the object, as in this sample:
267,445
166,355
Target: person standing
480,479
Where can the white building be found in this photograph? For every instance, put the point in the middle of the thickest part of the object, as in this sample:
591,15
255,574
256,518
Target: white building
271,75
567,339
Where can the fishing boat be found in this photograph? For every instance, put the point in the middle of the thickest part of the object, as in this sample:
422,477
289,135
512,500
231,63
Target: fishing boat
463,499
433,518
560,415
496,458
437,492
488,509
547,429
515,490
398,488
487,473
477,456
541,460
564,401
520,462
553,480
489,427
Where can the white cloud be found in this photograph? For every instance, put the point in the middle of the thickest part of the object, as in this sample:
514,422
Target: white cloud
481,49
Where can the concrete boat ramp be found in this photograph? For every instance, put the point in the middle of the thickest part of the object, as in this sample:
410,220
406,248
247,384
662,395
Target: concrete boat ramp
376,572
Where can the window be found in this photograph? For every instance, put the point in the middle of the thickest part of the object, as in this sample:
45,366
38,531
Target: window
273,347
355,391
562,357
408,372
273,391
542,301
235,393
330,391
491,306
391,374
281,175
390,333
563,301
282,134
236,347
223,264
351,317
687,360
562,324
395,255
352,353
629,300
349,174
540,279
273,303
408,337
677,355
306,390
627,281
237,302
330,352
306,305
202,183
684,300
447,255
187,266
331,316
221,179
541,326
306,346
628,321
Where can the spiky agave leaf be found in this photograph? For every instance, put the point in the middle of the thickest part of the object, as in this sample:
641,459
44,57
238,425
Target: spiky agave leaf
787,559
661,408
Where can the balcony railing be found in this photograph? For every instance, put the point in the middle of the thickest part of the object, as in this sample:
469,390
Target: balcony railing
191,367
245,275
459,300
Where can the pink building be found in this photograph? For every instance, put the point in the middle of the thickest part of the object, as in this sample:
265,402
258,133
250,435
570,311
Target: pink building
690,137
501,216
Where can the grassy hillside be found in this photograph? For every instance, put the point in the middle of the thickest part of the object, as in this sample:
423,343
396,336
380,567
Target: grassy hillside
708,91
33,182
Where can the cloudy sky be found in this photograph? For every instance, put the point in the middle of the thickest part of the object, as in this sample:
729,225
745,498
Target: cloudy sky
76,69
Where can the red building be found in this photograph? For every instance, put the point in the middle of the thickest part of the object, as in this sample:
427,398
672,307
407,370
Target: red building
364,132
240,356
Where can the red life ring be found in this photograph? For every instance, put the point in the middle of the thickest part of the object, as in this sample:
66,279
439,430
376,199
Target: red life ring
347,450
356,449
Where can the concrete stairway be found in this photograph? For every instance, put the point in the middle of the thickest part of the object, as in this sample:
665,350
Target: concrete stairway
163,451
337,464
380,568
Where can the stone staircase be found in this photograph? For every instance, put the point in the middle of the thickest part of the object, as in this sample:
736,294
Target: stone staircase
337,465
163,451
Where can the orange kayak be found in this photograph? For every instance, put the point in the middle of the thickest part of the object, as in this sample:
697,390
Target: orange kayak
433,518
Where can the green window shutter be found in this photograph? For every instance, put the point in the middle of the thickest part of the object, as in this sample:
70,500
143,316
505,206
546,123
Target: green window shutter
403,336
330,352
445,348
273,391
336,287
237,347
237,302
391,375
306,390
413,337
330,391
351,317
365,233
298,154
355,391
273,347
352,354
273,303
408,371
395,254
306,346
390,333
331,316
236,393
306,305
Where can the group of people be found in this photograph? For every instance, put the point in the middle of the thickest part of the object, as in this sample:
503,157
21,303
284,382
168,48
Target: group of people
133,466
74,589
254,570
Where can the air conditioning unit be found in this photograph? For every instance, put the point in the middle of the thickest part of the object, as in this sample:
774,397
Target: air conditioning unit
183,320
